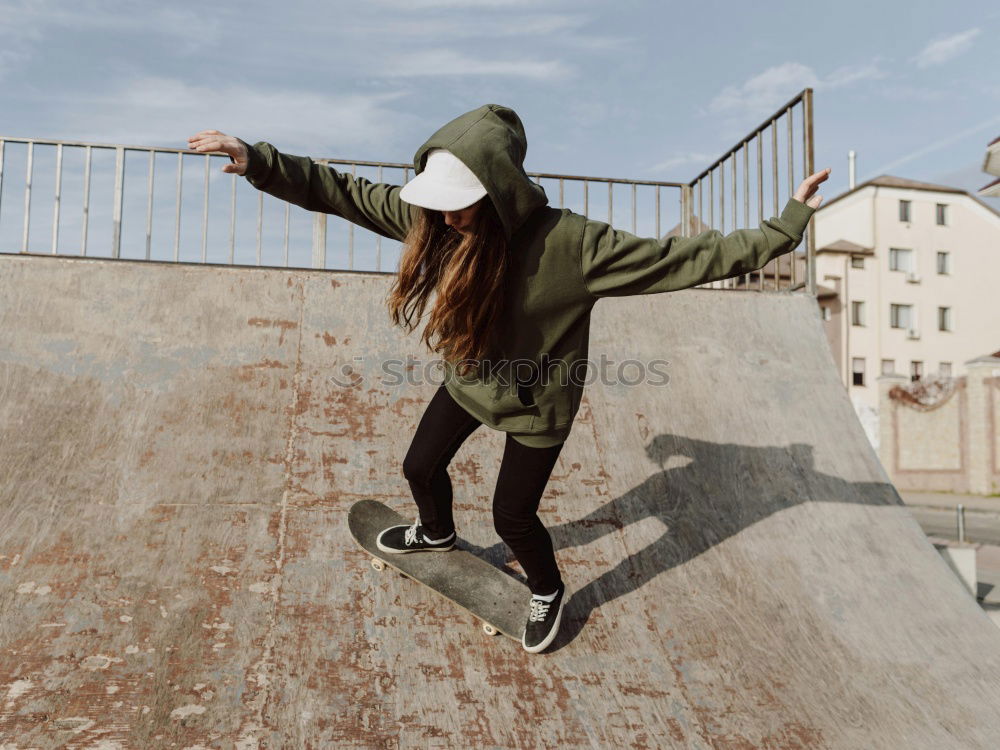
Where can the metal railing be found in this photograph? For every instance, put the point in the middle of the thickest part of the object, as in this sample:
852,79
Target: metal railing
280,229
766,185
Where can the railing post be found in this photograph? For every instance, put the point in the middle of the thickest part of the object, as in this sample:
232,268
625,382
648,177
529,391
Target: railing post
634,226
27,197
288,207
687,210
58,199
378,238
116,217
86,201
260,225
807,134
232,222
149,203
204,213
1,167
760,198
774,194
722,197
657,212
746,198
177,210
350,233
319,240
789,120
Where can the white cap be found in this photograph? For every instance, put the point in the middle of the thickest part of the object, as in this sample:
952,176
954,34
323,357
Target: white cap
445,184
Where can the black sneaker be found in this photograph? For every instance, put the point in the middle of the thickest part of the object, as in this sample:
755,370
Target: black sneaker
411,539
543,622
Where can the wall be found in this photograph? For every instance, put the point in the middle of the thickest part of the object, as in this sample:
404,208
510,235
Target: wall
948,443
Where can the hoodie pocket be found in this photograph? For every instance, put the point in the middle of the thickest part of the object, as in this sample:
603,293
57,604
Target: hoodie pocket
528,387
526,395
556,404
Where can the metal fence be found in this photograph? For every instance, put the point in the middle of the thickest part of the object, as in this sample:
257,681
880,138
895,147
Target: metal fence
200,214
754,188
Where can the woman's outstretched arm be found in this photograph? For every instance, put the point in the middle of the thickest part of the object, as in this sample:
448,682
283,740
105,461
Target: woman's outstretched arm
617,263
314,187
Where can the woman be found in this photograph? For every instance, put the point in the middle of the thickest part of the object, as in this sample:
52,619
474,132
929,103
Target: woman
515,281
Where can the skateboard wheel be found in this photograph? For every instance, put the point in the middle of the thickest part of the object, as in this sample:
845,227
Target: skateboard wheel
489,629
378,564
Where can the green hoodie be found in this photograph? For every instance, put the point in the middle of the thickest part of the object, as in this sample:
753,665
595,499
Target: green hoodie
562,264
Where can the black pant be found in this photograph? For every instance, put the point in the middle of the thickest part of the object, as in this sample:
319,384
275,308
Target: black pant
524,473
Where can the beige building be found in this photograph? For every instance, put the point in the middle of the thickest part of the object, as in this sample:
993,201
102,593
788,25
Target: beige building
907,274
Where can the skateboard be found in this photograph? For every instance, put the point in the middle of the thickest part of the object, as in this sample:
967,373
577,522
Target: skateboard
498,600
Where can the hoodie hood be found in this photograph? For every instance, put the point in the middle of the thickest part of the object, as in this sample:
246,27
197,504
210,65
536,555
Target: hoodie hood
490,141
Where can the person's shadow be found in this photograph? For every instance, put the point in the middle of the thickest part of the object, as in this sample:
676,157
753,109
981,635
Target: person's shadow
710,492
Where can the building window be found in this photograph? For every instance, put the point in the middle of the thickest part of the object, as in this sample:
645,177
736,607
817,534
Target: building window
857,313
943,262
904,210
942,214
857,370
900,259
945,369
916,370
827,314
857,261
888,367
901,316
944,318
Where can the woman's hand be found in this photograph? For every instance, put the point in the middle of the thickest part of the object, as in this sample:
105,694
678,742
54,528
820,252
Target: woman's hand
213,140
809,186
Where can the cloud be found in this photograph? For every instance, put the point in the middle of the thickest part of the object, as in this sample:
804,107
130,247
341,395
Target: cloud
968,177
418,5
905,93
690,157
943,50
27,25
445,62
848,74
765,91
565,30
762,94
934,146
470,26
11,58
439,35
17,38
160,111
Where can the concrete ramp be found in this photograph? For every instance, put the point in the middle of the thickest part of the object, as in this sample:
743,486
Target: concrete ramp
181,444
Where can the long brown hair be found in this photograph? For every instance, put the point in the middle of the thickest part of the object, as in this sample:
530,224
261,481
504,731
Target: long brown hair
468,272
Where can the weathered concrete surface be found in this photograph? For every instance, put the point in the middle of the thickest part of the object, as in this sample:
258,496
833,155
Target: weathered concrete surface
175,568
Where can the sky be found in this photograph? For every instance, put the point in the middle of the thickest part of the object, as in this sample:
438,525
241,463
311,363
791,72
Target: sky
624,88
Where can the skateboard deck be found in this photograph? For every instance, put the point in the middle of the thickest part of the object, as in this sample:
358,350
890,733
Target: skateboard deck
497,599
